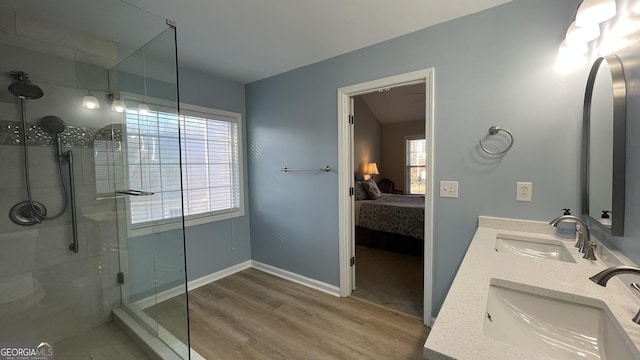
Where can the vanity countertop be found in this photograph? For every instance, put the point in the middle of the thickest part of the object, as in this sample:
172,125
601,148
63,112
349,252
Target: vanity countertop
458,330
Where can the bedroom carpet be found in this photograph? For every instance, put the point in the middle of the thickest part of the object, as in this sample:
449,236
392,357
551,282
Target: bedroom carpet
389,279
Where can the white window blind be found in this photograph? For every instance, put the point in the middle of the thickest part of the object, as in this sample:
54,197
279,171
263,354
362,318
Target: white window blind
416,165
211,166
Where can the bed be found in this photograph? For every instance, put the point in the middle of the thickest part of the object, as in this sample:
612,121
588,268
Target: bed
391,222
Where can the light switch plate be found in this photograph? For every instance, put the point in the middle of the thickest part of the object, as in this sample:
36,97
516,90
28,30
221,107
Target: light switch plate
523,191
449,189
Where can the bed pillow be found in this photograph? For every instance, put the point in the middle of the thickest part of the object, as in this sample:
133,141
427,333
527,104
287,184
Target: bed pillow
358,176
372,189
361,193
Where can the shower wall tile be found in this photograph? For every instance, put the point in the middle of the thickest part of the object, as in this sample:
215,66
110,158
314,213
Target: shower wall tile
11,173
92,77
41,67
62,309
15,40
107,291
37,28
7,20
17,251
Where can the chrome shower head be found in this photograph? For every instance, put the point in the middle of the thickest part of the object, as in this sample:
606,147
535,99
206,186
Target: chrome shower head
22,87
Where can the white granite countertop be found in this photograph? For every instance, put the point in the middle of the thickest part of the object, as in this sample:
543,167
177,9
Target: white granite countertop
458,330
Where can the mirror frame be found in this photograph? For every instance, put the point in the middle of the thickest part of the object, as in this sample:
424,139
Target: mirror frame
619,143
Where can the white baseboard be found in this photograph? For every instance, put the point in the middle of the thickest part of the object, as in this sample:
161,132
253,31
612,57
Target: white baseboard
207,279
191,285
296,278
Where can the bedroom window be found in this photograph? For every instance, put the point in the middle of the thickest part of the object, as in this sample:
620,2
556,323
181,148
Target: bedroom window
416,151
210,150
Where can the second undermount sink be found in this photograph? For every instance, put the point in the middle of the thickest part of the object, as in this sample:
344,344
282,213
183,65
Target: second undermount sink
559,325
533,247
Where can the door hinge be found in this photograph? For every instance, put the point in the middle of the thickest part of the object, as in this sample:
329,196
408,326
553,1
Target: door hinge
351,119
120,278
353,261
352,191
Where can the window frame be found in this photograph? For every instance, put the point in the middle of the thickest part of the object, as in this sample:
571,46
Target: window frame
408,167
157,226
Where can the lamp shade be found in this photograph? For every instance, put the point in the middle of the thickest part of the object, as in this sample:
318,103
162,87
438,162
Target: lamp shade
118,106
593,12
576,34
90,102
372,169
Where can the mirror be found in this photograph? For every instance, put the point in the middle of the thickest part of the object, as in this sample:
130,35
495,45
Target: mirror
604,145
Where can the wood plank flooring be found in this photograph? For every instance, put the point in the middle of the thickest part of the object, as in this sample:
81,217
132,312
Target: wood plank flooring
254,315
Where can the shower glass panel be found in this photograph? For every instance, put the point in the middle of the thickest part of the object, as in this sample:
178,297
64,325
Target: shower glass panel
149,203
60,278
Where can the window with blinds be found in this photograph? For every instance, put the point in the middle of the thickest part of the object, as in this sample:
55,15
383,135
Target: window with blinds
416,165
206,151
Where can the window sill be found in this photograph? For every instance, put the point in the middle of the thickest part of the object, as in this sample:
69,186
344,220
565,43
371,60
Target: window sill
176,225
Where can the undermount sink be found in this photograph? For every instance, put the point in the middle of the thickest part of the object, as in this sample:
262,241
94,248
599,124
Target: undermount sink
533,247
559,325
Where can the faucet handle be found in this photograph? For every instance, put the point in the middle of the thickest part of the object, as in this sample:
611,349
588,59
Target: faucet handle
635,286
589,251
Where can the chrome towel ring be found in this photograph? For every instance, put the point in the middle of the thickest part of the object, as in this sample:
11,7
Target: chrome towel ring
493,131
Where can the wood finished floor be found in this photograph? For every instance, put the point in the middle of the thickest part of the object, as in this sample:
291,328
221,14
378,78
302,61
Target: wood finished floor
254,315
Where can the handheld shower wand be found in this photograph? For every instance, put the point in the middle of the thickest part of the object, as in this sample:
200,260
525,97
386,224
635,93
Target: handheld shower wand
54,126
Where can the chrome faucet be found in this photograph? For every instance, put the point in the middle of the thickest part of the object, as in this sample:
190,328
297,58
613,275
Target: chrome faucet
584,242
603,277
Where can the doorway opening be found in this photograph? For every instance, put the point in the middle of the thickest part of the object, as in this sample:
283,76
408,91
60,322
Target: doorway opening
395,175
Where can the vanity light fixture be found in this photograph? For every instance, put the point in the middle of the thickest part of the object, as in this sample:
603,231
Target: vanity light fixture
584,34
90,102
117,105
593,12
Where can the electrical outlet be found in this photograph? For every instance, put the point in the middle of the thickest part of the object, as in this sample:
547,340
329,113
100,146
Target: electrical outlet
523,191
449,189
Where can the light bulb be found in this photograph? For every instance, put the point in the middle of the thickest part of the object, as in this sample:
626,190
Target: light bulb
593,12
90,102
118,106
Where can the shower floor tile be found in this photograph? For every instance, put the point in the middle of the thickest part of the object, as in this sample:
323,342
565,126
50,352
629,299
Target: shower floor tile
105,342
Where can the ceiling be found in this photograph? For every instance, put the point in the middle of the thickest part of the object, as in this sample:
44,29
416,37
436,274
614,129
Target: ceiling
397,104
248,40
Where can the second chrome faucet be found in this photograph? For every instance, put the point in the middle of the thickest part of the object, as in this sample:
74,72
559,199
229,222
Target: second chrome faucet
584,244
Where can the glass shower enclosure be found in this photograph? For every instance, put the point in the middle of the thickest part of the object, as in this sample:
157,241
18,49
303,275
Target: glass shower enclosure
91,235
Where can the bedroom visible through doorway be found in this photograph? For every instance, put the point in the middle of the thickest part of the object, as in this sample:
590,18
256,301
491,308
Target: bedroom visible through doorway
386,182
389,159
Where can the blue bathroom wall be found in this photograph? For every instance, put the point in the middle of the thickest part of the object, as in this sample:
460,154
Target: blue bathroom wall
219,245
491,68
209,247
